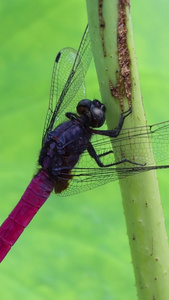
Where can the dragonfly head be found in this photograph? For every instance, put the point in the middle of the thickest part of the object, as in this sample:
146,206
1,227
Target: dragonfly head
94,109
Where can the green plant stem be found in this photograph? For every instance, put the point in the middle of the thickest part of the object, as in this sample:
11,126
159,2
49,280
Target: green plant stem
116,66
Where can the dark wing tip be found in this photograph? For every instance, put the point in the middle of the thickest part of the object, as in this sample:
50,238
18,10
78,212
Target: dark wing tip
58,57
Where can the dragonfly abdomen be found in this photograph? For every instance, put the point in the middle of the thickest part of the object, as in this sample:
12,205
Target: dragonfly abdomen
34,197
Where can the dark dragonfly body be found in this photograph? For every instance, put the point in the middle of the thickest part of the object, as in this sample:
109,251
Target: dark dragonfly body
75,156
65,144
62,150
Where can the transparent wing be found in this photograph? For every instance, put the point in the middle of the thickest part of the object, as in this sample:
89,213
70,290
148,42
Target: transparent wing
85,179
137,140
68,82
87,175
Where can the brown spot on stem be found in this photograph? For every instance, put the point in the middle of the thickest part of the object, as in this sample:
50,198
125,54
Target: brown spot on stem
102,25
134,238
123,78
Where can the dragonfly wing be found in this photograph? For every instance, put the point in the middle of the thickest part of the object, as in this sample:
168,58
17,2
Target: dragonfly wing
89,178
68,82
140,142
135,143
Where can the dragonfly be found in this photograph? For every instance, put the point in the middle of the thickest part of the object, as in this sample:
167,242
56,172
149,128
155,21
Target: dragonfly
75,156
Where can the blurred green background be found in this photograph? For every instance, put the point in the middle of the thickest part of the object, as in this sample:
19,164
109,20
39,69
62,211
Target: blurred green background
76,247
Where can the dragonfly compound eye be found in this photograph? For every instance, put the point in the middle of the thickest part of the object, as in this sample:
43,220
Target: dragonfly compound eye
96,109
98,115
83,105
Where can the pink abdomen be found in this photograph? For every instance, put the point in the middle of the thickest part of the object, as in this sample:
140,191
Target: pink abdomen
35,195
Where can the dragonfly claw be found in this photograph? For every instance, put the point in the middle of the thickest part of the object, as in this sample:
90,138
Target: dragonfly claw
127,112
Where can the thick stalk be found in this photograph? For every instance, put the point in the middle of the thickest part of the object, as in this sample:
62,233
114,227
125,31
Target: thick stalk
115,60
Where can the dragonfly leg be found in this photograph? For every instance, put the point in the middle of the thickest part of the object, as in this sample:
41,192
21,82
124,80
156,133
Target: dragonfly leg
105,153
71,116
123,161
114,132
96,157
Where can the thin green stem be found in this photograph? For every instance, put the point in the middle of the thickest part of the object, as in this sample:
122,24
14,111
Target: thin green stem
115,60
